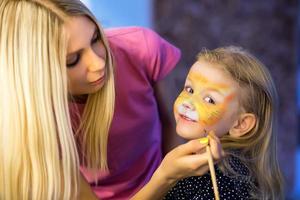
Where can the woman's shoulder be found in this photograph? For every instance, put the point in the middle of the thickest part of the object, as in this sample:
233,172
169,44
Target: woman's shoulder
141,39
143,49
138,43
127,31
132,36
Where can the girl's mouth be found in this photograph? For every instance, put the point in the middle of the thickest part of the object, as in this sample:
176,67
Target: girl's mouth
187,118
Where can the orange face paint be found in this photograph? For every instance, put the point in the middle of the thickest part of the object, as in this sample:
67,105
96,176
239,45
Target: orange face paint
203,112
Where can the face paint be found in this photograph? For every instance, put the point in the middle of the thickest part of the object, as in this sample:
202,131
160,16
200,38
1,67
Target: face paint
194,107
201,82
208,102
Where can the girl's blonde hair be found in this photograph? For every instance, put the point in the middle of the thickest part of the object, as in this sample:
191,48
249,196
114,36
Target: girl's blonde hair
258,148
92,135
38,156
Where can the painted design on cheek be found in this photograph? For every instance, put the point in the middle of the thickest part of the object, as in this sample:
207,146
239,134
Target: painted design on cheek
188,111
193,107
209,114
184,107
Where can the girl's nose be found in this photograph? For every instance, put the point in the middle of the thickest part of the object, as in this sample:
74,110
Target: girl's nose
188,106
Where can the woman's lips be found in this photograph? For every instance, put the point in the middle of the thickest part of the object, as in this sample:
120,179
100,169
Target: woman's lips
98,81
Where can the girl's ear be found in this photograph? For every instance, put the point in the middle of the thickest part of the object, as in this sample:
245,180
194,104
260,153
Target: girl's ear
243,125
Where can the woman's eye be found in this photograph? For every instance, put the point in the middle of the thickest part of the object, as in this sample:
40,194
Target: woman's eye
209,100
189,89
72,60
96,37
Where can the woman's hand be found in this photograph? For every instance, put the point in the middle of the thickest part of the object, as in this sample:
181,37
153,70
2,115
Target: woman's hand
189,159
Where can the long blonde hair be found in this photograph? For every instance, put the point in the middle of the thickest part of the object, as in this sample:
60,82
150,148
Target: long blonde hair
92,134
38,156
258,148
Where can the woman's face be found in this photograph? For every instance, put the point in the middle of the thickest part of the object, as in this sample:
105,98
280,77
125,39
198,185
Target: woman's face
208,102
85,57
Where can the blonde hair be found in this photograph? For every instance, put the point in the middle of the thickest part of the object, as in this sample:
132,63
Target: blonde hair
38,156
92,133
258,148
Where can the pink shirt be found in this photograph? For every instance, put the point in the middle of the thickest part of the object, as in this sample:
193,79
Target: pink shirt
134,149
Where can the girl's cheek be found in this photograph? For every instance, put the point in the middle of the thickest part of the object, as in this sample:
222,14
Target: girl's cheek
209,115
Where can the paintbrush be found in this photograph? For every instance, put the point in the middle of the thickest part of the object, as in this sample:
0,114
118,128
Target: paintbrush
205,140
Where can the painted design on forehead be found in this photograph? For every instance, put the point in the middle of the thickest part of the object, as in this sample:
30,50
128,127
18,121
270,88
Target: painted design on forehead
201,81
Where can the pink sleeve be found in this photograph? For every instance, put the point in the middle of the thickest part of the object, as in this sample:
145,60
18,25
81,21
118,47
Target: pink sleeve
162,55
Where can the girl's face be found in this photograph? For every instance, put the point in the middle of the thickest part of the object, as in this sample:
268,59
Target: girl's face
208,102
85,57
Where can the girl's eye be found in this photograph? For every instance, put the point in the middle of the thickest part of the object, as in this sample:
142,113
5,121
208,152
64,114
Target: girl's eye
209,100
72,60
189,89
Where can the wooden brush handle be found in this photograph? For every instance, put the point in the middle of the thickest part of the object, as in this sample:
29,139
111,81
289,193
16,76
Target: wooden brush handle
212,173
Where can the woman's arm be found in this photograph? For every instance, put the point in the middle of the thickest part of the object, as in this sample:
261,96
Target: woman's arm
156,188
184,161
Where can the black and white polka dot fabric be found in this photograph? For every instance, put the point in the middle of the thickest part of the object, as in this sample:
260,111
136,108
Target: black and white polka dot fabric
200,187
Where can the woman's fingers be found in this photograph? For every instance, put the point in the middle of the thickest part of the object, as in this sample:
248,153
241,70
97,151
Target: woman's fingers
215,146
193,162
196,165
190,147
201,170
190,159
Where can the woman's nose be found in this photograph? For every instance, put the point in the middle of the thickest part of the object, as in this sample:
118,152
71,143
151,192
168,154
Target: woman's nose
95,62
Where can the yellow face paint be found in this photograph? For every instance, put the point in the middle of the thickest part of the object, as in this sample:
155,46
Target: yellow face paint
208,114
201,82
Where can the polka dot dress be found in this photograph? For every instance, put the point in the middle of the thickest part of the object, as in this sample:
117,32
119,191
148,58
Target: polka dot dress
200,187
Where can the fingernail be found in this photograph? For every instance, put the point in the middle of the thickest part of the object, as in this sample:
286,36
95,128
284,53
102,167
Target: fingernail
203,140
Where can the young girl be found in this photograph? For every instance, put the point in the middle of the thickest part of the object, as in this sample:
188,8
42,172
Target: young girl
46,62
230,92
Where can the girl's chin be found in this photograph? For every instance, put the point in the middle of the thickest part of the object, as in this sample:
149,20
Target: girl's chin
189,135
190,131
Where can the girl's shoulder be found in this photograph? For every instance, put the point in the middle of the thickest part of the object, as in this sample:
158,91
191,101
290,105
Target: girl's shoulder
234,184
236,167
